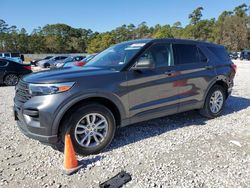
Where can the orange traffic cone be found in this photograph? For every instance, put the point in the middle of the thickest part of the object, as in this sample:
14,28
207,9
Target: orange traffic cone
70,161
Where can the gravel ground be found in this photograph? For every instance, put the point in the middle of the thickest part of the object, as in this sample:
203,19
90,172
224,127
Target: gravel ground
183,150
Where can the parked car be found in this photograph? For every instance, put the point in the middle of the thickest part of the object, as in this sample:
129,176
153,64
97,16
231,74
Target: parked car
70,59
17,57
127,83
233,55
11,71
245,54
35,61
81,62
52,61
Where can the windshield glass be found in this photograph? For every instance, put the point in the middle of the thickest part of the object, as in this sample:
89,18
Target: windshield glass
68,59
116,56
48,57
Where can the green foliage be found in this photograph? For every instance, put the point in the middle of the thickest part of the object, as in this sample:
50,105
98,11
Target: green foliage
231,28
195,16
163,32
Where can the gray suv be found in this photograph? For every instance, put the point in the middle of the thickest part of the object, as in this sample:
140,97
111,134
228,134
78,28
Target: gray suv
127,83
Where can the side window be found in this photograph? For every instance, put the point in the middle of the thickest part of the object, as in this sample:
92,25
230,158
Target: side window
185,54
57,58
3,63
203,58
220,53
145,60
160,55
78,58
6,55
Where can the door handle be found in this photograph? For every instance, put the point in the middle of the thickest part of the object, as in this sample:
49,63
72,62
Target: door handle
169,73
209,67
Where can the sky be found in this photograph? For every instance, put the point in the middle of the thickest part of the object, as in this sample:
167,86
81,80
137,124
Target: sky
105,15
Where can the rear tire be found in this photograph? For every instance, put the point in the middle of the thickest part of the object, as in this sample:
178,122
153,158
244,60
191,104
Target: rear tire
46,65
11,80
214,103
76,124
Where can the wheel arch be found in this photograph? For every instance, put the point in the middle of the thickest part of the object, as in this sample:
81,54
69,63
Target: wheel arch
114,106
220,80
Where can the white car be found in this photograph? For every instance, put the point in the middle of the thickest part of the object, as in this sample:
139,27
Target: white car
47,63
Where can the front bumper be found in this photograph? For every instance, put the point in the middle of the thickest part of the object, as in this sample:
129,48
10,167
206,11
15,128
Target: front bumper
32,131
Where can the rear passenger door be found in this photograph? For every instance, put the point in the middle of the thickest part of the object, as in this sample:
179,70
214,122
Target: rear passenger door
195,73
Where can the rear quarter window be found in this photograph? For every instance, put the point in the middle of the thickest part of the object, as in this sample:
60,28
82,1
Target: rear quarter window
220,53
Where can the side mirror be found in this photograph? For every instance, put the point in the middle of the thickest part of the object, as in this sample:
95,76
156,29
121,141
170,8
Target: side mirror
143,64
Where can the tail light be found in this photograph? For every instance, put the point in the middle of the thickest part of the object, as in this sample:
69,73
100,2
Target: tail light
234,67
79,63
27,67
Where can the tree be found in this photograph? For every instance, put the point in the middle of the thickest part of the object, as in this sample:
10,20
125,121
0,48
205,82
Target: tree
4,27
101,42
163,32
231,28
241,10
196,15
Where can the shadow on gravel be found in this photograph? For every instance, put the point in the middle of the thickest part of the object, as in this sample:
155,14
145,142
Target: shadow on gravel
140,131
235,104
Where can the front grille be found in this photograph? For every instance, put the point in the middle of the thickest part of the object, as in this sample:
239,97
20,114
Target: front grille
22,91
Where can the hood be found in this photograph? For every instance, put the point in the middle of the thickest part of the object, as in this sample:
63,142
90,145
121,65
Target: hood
66,74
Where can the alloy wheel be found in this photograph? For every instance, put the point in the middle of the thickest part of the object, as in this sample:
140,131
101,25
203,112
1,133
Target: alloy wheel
91,130
216,101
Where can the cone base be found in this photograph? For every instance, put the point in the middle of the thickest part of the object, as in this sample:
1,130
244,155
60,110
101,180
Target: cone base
72,170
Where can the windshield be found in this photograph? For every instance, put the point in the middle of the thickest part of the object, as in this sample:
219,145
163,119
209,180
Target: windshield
48,57
68,59
116,56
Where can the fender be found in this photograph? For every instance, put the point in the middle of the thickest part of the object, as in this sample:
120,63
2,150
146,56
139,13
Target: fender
67,104
218,78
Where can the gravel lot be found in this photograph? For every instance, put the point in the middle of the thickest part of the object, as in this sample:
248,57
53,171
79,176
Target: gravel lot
183,150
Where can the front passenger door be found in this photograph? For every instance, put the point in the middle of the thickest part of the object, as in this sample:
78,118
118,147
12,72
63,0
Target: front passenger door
152,92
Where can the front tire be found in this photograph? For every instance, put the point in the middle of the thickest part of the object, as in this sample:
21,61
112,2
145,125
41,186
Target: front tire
214,102
11,80
91,128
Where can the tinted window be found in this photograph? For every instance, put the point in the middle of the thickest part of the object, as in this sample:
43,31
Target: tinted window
220,53
15,55
3,63
203,58
185,54
160,55
6,55
63,57
78,58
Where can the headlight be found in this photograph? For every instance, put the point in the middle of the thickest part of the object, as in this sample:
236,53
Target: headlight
48,89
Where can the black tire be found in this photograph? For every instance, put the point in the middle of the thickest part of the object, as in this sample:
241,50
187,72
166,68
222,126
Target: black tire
11,79
71,121
206,110
46,65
